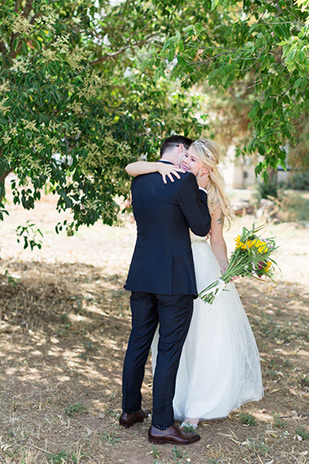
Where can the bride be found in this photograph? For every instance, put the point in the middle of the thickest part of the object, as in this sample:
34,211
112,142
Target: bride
219,368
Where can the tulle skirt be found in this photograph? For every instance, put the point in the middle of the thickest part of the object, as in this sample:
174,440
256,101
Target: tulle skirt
220,366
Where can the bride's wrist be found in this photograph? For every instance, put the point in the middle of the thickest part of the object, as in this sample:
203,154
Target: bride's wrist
156,166
224,267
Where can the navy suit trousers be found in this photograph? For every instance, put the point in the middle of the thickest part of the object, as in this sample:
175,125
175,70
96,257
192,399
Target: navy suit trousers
173,313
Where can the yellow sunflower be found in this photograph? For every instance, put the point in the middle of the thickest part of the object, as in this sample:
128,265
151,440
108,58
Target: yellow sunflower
238,243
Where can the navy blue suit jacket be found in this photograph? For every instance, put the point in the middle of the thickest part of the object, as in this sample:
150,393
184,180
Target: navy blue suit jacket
162,261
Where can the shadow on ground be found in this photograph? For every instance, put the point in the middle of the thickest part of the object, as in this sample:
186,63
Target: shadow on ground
64,329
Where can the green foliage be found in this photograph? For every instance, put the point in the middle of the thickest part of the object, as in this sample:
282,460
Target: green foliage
53,127
278,422
179,456
304,381
299,154
189,428
263,44
11,280
76,408
302,432
75,109
57,457
259,447
87,86
29,234
155,451
247,419
266,190
62,458
108,437
298,181
292,207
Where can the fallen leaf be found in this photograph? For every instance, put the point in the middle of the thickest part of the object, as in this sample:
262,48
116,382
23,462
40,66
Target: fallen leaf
293,392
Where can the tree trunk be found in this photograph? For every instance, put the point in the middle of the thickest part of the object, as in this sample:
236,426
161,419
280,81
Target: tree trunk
3,176
272,175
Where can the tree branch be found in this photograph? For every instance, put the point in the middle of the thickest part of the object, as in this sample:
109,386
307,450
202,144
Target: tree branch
27,9
17,5
3,48
26,12
35,17
43,48
235,50
200,63
110,56
278,7
14,53
3,176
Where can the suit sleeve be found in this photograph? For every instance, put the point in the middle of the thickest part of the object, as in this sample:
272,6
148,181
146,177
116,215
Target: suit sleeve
193,203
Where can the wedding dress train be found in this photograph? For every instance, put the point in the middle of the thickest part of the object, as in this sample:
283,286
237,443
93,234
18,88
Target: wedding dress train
220,366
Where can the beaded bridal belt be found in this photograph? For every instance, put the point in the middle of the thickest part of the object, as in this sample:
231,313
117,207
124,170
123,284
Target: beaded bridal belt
196,238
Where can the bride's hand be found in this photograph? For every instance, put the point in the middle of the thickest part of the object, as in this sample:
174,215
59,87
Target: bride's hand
169,170
202,178
223,268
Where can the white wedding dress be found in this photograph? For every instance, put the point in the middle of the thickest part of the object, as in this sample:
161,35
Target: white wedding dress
220,365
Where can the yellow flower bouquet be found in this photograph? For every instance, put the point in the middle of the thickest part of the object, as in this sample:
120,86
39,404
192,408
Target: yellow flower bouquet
251,258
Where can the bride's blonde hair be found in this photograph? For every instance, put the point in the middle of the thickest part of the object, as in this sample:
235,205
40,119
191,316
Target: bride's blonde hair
208,153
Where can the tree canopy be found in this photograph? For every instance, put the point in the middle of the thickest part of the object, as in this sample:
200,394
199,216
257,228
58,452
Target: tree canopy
87,85
73,108
263,45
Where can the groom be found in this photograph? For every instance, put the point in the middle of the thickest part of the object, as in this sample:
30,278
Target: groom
162,281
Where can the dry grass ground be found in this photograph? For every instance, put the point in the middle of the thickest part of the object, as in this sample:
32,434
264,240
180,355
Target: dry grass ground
64,325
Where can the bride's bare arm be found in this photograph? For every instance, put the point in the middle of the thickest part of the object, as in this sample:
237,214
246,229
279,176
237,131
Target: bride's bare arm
145,167
217,241
141,167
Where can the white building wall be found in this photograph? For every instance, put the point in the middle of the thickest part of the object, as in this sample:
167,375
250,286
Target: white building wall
239,172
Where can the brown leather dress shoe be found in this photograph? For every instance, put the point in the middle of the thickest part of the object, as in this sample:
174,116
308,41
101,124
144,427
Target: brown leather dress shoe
172,435
127,419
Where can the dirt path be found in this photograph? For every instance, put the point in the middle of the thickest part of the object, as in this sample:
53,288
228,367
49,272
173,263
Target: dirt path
64,326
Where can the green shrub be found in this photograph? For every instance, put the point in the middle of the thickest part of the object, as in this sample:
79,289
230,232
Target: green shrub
77,408
292,207
269,190
247,419
302,432
298,181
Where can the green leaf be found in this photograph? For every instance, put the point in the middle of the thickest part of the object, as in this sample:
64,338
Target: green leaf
214,4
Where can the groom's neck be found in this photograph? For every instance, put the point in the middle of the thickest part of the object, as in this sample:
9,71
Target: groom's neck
169,157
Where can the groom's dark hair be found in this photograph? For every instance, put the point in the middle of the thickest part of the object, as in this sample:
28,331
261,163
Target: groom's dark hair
173,141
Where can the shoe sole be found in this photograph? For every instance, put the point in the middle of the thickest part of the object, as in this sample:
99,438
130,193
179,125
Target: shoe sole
127,426
157,441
